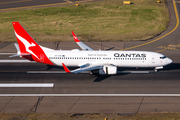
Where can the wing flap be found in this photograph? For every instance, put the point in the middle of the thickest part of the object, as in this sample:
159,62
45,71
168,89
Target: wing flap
79,70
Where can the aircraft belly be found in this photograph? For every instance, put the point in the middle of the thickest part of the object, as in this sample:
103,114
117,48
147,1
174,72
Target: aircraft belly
134,64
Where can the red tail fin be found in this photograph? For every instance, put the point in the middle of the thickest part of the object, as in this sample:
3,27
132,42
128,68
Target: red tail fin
28,45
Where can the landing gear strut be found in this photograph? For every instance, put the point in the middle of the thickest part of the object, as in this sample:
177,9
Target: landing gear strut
156,68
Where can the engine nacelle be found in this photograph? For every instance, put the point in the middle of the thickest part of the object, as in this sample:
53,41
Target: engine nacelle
108,70
75,50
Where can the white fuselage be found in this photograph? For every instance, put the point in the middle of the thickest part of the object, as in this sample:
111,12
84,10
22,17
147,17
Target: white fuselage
117,58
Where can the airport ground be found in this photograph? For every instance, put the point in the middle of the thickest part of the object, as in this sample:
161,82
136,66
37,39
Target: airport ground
107,20
84,93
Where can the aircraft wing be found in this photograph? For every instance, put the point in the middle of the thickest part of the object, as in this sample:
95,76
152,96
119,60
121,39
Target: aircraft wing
81,44
82,69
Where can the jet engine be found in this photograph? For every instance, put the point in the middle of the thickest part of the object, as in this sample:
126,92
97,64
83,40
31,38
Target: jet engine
108,70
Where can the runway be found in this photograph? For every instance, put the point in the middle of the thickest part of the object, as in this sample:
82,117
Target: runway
155,83
6,5
143,92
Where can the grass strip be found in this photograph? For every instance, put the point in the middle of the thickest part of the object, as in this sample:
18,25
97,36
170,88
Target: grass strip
107,20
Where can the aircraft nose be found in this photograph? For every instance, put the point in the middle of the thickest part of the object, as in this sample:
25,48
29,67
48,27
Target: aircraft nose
168,61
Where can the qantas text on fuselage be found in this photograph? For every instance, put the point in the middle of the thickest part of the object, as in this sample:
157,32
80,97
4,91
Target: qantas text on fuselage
129,55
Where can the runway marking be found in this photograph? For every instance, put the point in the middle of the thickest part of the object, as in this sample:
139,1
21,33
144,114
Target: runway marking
51,72
177,24
135,71
16,61
26,84
15,1
169,47
160,50
45,72
46,5
94,95
8,53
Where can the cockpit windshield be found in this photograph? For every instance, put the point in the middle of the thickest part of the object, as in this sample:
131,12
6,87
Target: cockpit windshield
163,57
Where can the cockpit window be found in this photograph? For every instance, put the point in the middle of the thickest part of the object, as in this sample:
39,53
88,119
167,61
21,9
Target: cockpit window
163,57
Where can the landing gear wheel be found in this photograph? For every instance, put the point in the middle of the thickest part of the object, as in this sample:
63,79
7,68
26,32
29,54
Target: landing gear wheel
90,72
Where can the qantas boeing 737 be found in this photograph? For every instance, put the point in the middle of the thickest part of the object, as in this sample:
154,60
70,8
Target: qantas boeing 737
87,59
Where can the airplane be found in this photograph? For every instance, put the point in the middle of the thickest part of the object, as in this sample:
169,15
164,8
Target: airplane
87,59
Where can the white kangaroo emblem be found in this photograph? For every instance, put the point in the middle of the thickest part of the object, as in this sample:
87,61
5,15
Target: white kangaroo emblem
75,37
27,45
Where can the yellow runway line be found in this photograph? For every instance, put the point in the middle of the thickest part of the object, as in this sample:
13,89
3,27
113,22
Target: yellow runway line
161,50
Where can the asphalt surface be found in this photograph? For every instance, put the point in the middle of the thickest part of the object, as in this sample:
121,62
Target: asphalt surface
6,5
165,81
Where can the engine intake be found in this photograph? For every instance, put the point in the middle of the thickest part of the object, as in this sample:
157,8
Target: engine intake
108,70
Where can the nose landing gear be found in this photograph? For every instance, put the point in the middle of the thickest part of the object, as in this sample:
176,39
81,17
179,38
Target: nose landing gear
157,68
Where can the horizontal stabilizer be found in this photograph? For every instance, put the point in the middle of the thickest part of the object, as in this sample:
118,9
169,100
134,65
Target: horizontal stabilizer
20,55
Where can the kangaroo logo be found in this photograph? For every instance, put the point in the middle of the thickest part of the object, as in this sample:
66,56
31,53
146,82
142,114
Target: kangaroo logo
27,45
75,37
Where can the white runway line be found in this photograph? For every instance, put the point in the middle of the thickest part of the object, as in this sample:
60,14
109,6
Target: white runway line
8,53
134,72
49,72
94,95
16,61
46,72
40,72
120,72
26,84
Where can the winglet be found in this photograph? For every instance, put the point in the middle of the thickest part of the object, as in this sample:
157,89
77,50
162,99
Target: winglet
65,68
75,37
